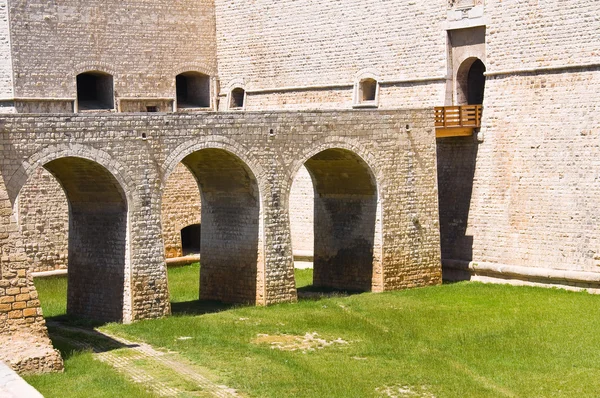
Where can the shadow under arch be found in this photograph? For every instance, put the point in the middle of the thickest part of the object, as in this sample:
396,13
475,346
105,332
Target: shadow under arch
347,240
97,242
231,243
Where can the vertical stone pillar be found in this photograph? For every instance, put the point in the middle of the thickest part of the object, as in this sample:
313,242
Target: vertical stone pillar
24,342
146,272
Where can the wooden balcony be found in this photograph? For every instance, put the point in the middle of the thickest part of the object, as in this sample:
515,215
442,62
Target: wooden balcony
457,121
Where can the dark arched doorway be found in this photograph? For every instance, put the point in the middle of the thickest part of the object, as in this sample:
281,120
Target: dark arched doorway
190,239
470,82
476,83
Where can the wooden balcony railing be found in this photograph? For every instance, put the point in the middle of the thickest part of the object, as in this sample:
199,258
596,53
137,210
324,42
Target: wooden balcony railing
451,121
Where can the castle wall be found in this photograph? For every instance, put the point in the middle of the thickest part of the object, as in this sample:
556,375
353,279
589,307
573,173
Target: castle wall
6,70
535,197
529,34
143,44
320,47
521,202
306,55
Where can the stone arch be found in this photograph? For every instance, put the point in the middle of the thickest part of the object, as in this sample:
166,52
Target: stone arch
230,188
234,86
236,98
53,152
197,67
348,144
190,238
216,142
347,216
235,82
470,82
99,198
95,91
202,69
94,66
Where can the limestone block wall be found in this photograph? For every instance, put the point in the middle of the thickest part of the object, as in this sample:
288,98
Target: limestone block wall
542,34
307,54
143,44
534,200
524,200
180,208
43,218
6,71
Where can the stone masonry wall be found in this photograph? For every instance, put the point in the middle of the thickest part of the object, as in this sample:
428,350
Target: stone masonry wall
52,42
180,208
6,71
525,198
534,200
529,34
391,96
140,152
43,218
320,48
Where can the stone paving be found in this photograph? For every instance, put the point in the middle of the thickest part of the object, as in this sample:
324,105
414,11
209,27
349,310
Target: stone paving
13,386
164,373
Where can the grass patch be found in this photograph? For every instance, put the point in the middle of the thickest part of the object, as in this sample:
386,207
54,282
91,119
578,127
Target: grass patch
459,340
184,283
52,293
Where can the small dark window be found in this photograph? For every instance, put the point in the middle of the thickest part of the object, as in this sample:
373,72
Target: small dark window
237,98
193,90
190,239
368,90
152,109
95,91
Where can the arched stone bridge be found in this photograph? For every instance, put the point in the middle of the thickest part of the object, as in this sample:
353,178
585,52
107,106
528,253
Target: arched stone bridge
376,211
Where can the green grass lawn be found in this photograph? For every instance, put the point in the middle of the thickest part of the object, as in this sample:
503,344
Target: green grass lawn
457,340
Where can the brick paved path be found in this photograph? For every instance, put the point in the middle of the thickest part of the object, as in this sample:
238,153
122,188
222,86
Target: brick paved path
163,373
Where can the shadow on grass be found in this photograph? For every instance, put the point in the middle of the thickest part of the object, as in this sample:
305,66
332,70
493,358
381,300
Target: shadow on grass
316,293
452,282
201,307
70,339
75,321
